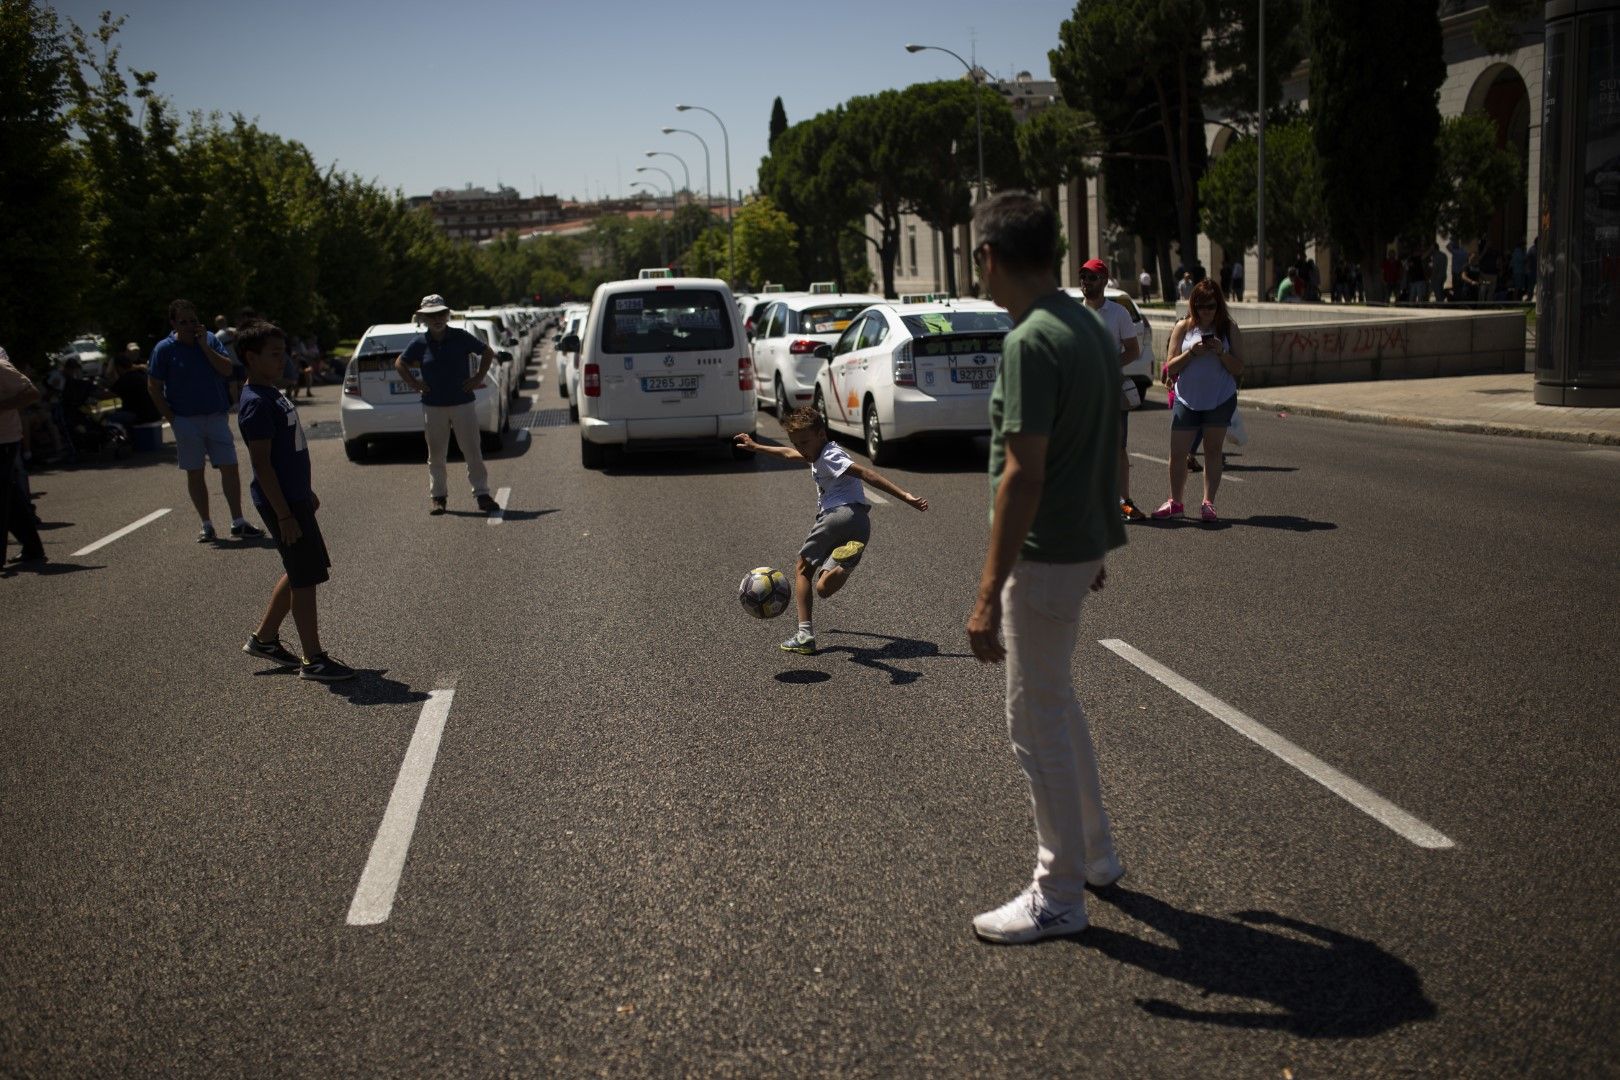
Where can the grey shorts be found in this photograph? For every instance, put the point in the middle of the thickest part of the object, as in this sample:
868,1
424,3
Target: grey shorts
837,526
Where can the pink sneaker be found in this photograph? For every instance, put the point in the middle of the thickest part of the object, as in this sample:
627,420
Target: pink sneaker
1170,509
1207,511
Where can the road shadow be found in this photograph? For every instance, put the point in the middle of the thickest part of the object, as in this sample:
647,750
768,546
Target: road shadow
802,676
1285,522
1320,983
509,516
933,454
1232,467
894,648
44,569
370,687
705,462
48,526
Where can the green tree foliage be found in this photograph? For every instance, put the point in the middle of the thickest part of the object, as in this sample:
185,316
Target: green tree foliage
1475,176
1295,214
779,121
41,267
1054,145
873,152
1377,125
1497,30
1233,45
810,176
767,245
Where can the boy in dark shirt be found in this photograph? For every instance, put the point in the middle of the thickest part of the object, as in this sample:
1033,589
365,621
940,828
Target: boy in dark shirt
282,493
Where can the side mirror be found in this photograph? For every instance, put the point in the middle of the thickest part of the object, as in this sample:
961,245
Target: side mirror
824,351
504,357
509,342
569,343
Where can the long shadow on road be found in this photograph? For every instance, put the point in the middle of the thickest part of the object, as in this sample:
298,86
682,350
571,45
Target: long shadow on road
1320,983
893,648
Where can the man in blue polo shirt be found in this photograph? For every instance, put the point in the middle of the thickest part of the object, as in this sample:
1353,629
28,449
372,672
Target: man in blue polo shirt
445,356
188,377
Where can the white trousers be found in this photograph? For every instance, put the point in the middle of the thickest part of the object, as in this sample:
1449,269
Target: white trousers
463,419
1040,607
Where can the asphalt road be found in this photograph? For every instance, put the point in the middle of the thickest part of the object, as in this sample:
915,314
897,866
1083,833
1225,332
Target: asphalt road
652,844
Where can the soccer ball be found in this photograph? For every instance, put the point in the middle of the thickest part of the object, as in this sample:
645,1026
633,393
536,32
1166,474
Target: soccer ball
765,593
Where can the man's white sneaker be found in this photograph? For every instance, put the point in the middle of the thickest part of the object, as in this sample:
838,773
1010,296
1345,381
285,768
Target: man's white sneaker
1104,872
1028,917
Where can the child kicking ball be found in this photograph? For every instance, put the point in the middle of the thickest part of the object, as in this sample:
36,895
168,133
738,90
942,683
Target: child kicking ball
842,528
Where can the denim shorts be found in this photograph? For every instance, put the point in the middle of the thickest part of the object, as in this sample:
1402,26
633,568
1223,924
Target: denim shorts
195,435
1185,419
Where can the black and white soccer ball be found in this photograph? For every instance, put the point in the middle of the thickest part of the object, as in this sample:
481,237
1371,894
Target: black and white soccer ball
765,592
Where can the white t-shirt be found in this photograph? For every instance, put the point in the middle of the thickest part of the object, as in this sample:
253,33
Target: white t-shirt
835,484
1117,321
1146,279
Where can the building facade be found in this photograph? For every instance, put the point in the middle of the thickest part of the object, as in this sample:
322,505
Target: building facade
473,213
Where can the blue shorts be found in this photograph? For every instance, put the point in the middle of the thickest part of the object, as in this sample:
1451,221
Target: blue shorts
210,434
1185,419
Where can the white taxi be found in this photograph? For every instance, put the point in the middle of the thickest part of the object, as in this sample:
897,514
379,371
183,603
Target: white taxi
903,370
785,342
376,403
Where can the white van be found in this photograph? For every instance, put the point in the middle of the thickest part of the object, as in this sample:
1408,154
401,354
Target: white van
662,363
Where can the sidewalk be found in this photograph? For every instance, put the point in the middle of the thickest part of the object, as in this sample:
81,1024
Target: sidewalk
1479,404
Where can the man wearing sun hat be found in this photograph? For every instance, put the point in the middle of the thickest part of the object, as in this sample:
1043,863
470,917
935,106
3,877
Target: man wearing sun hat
444,355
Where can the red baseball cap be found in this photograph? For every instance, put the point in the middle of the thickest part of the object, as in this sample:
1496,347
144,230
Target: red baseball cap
1096,266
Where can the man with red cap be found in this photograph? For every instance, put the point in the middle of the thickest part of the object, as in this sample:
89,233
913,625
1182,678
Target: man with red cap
1093,280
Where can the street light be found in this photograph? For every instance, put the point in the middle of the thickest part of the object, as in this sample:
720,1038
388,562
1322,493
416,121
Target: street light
684,170
708,177
657,195
978,111
671,179
731,236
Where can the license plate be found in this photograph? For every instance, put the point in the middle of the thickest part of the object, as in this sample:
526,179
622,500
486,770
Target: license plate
399,388
658,384
976,377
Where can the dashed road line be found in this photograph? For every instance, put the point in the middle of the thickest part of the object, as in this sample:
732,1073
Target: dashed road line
503,496
1225,476
875,497
379,881
121,533
523,435
1362,798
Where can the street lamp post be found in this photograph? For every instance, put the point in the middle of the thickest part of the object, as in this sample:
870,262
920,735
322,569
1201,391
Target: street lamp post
680,237
731,236
708,179
667,176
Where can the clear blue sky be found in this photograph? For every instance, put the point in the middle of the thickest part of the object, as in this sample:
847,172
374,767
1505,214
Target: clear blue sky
419,95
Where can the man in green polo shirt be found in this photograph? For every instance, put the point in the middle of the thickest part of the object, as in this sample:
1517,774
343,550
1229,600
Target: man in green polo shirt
1054,422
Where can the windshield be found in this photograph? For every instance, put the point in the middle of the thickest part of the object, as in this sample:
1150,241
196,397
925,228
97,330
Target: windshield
956,322
385,344
667,320
829,320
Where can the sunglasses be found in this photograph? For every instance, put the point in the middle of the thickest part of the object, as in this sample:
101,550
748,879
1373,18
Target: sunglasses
1204,307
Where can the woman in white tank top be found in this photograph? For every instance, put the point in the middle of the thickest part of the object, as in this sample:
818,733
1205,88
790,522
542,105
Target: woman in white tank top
1202,365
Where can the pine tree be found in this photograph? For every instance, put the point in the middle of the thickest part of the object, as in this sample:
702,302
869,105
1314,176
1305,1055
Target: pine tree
779,122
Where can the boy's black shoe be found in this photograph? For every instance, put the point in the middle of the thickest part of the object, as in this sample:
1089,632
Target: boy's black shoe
322,668
245,531
488,505
436,506
206,535
269,650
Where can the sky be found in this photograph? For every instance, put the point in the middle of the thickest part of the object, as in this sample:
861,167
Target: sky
560,98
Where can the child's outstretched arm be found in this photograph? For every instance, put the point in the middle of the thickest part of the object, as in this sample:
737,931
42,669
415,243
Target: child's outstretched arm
883,483
786,453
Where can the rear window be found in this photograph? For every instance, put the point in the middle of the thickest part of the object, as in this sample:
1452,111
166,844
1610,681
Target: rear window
957,344
379,352
666,320
829,320
957,322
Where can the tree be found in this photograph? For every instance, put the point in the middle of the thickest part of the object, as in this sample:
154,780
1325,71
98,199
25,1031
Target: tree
1053,147
767,244
1475,176
1376,125
873,134
1497,30
810,176
1295,215
41,267
779,122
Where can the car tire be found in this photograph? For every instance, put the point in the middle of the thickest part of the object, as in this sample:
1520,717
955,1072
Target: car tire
592,455
877,449
354,449
741,453
490,442
573,413
819,402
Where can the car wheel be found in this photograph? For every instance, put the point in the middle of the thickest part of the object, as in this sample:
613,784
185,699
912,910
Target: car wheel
879,451
820,402
354,449
490,441
592,455
573,413
781,399
741,453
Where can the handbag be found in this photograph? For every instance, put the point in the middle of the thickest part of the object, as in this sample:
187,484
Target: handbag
1129,396
1235,431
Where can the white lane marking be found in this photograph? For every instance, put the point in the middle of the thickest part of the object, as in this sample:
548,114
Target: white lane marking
523,435
374,899
121,533
1225,475
503,496
1362,798
875,497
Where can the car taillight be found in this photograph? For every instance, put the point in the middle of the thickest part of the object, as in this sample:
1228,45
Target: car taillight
593,380
803,346
745,373
905,369
351,384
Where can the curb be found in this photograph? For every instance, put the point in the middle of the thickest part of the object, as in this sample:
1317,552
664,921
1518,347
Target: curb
1469,427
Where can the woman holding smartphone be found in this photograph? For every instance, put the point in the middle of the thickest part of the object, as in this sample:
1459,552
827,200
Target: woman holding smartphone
1204,363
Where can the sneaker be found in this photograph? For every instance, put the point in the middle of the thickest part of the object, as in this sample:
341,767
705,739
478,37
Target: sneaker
436,507
1193,464
322,668
848,555
245,531
1128,511
1028,917
1104,872
29,558
269,650
488,505
205,535
1207,511
800,642
1170,509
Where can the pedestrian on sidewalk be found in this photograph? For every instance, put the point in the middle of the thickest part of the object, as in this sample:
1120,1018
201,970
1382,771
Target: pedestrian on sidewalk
1055,518
1237,281
1117,321
188,376
1205,351
1145,280
285,497
17,392
445,356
